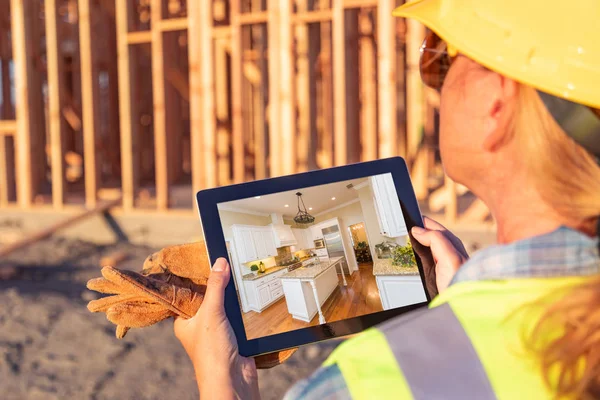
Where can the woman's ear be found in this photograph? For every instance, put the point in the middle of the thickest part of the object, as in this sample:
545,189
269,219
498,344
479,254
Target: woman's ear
500,113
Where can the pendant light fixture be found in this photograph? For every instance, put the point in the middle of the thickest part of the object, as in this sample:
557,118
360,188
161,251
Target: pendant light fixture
303,217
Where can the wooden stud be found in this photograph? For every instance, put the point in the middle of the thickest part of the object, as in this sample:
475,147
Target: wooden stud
130,166
477,212
90,101
386,79
325,152
287,129
274,80
159,100
202,95
340,141
368,89
307,17
29,138
139,37
253,18
237,120
259,95
171,24
303,77
414,89
6,171
55,103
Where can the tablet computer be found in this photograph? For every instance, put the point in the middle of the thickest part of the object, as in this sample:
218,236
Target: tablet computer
315,255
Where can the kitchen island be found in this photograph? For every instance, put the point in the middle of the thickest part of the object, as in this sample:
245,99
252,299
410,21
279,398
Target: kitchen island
398,286
307,288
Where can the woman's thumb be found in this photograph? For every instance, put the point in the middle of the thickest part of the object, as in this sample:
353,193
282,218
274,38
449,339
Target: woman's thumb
422,235
217,282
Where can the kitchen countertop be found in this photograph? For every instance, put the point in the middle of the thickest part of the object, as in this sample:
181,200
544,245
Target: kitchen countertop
384,267
311,272
269,271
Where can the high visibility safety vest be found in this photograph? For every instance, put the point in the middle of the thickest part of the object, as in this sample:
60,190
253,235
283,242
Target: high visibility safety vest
467,345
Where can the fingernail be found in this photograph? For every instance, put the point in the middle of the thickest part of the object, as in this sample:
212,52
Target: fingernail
416,230
220,265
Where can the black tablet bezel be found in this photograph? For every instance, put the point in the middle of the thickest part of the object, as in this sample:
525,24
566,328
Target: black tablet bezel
208,199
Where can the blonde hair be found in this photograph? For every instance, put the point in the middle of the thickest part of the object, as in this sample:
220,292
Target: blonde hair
569,181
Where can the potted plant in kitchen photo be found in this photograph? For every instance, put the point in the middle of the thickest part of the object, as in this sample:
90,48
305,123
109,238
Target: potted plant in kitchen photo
403,256
384,249
254,269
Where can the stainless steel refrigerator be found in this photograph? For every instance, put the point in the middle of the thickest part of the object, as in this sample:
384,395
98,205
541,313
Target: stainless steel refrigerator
335,246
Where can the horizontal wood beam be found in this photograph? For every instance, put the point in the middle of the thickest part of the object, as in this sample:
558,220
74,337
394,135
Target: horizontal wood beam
172,24
308,17
7,127
361,4
139,37
260,17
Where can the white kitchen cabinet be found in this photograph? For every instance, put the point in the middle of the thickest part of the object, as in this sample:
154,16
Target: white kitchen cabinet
245,244
387,206
399,291
264,296
300,240
264,291
253,242
310,244
267,237
316,232
304,239
259,244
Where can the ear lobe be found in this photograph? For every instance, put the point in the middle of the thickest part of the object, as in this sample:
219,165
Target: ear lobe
497,120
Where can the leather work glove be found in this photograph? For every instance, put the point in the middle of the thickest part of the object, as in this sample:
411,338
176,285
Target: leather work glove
172,284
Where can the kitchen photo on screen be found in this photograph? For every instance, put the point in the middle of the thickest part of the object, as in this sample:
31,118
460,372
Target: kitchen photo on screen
320,254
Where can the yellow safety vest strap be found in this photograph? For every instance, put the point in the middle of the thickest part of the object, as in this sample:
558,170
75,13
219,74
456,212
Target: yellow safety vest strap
436,356
410,358
369,368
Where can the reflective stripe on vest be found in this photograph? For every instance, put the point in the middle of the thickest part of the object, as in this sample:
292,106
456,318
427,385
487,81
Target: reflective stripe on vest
467,346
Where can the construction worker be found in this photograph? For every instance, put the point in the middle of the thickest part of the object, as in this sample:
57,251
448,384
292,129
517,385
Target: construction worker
520,84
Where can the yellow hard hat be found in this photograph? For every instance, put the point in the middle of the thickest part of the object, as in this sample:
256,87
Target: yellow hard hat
553,46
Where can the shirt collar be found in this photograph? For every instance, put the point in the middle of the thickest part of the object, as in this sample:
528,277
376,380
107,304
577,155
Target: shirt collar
563,252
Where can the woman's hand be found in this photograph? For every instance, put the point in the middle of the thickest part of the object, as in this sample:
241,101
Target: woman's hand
448,251
211,345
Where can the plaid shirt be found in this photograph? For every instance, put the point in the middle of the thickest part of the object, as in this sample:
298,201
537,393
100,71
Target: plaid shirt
563,252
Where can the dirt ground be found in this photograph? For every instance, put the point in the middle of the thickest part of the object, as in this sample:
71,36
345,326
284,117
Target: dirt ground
51,347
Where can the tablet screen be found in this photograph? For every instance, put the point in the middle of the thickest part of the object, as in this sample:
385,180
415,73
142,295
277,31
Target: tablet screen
320,254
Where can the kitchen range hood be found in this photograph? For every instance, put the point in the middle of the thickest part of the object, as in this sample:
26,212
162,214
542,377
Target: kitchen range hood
282,233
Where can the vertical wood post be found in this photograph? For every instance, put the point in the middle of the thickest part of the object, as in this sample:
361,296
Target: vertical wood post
29,138
259,36
55,103
90,100
202,95
386,79
130,166
274,81
159,100
237,120
286,99
340,141
303,82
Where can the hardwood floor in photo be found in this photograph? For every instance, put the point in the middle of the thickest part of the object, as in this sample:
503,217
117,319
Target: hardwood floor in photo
360,297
